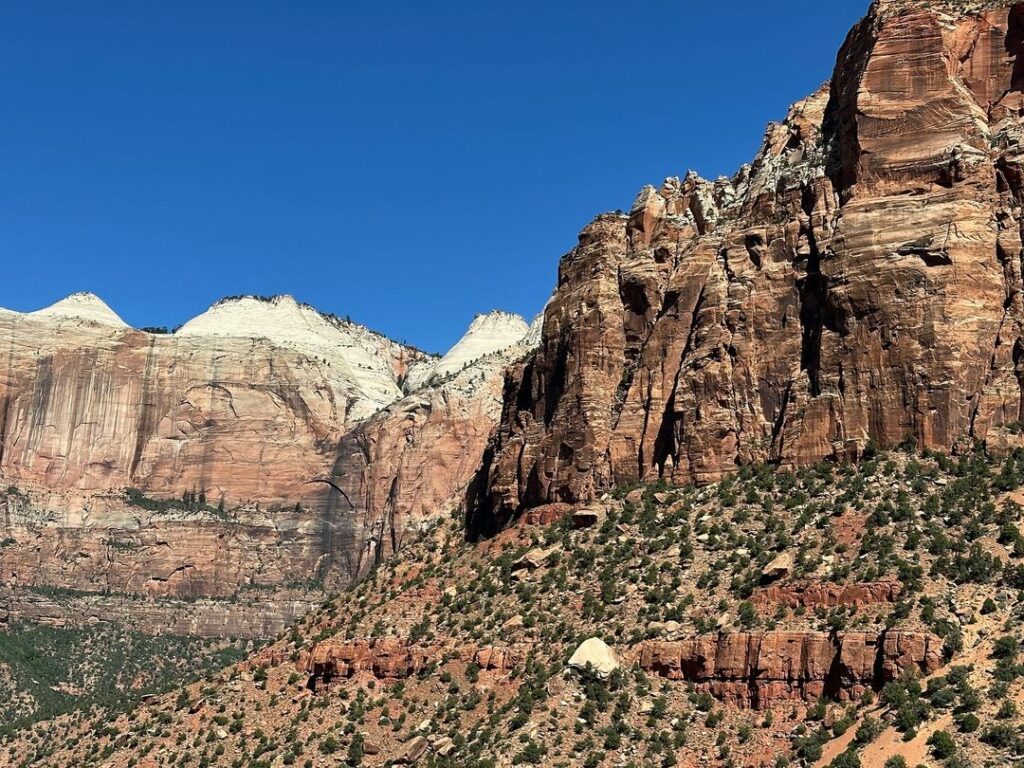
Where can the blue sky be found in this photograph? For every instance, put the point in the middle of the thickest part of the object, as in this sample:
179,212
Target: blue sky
406,163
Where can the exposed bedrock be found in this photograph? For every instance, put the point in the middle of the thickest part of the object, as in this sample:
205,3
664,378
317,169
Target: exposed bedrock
302,449
860,281
759,669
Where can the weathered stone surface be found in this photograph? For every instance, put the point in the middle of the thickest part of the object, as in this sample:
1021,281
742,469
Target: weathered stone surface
290,428
859,282
386,657
758,669
257,617
533,560
413,752
780,565
411,462
546,514
595,654
499,659
589,516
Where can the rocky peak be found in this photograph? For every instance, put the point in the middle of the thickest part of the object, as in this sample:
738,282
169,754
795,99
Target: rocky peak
81,307
857,283
371,363
954,8
487,334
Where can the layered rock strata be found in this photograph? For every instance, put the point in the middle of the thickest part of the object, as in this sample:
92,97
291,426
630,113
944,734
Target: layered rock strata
394,658
256,616
859,283
263,445
828,595
759,669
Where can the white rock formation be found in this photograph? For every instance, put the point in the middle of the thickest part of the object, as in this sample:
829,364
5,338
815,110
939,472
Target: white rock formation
487,335
369,362
82,308
595,653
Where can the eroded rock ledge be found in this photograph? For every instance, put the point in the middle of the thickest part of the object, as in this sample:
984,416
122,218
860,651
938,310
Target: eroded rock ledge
745,669
819,595
758,669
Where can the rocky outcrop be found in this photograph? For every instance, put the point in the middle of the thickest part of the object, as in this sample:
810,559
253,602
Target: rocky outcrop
394,658
745,669
859,282
495,658
759,669
384,658
546,514
828,595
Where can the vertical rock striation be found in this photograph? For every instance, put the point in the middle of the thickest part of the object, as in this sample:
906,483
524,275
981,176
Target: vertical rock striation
303,450
760,669
859,281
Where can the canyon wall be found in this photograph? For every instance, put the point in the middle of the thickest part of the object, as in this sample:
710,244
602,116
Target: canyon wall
858,283
263,445
241,403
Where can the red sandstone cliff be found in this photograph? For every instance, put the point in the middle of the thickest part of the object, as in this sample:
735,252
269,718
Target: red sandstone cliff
308,453
859,281
759,669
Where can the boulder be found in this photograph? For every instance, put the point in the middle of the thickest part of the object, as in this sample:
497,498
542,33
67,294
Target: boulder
588,516
595,654
414,750
533,560
777,568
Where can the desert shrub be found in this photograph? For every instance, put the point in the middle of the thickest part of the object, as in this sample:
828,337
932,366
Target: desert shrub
942,745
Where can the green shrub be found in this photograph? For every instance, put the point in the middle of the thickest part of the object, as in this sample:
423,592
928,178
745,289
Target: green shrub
848,759
869,730
942,745
967,722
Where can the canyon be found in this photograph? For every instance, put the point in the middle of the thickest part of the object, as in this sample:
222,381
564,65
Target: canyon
761,457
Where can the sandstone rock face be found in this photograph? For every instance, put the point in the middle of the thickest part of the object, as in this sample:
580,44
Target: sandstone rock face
392,658
500,659
240,403
546,514
411,462
388,657
759,669
290,432
860,281
256,617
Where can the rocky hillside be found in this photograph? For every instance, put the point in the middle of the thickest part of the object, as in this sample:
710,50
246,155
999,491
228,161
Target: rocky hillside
845,615
262,451
859,281
753,499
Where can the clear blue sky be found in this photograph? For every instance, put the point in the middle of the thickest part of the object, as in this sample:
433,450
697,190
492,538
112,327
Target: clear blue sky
405,163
